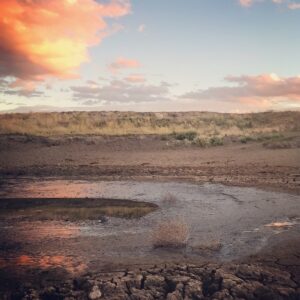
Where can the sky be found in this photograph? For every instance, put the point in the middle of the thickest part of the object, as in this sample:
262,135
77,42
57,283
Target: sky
149,55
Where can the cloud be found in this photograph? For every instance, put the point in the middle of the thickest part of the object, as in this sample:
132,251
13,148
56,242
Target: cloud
20,87
123,63
262,90
41,38
294,5
120,91
142,28
246,3
288,3
135,78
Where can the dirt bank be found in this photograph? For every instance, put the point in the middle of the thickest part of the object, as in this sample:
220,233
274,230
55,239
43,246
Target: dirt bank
141,157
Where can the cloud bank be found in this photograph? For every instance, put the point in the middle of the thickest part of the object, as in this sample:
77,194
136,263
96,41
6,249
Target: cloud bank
262,90
120,91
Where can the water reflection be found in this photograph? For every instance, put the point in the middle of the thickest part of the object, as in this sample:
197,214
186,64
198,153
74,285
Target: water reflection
68,263
283,224
39,230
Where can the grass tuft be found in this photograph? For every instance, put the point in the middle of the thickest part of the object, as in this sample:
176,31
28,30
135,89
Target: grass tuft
170,234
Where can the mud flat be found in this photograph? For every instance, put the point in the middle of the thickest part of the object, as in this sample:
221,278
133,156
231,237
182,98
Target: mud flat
240,202
237,228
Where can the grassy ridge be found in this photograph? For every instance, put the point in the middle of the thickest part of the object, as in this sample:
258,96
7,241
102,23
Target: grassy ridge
204,124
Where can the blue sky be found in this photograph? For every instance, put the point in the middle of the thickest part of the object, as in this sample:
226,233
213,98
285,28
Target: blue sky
174,55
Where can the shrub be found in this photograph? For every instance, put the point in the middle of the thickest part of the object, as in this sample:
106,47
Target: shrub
189,135
172,233
200,142
246,139
216,141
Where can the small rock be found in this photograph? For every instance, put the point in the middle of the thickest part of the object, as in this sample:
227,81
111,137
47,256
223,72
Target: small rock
193,290
174,296
154,281
95,293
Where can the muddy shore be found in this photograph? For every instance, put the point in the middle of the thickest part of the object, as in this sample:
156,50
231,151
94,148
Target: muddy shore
150,157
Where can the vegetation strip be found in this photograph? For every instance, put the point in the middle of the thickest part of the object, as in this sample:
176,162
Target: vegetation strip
74,208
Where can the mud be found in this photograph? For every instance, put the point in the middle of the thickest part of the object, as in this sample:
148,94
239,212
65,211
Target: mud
241,203
171,282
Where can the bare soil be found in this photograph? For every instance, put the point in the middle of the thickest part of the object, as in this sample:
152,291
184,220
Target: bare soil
142,157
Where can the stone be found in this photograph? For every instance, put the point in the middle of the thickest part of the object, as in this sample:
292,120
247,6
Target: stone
137,294
174,296
134,281
108,288
247,272
222,295
95,293
193,290
154,281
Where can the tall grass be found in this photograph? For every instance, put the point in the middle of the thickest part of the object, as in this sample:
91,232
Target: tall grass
184,126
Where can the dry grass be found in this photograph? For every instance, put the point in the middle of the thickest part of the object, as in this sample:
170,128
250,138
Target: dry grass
190,126
74,209
170,234
87,213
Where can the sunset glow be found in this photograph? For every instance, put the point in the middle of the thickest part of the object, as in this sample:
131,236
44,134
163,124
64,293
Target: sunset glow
195,59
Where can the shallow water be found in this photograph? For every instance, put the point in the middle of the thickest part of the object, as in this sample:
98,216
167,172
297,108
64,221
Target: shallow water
240,220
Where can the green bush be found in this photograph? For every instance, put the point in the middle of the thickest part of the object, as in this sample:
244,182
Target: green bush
216,141
246,139
200,142
188,135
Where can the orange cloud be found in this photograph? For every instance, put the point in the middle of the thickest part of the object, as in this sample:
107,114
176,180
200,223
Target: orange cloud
41,38
123,63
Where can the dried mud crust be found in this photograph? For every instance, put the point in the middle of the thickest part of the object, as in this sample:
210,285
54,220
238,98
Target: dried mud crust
243,281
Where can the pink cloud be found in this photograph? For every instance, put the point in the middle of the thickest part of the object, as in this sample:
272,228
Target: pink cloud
246,3
123,63
49,37
294,5
288,3
266,89
141,28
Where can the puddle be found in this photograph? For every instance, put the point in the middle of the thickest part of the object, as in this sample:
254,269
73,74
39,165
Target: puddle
240,219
